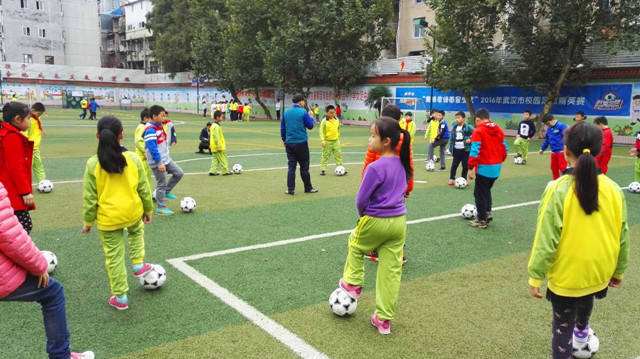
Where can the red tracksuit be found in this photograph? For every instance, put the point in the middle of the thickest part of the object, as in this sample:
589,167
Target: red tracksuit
603,158
16,154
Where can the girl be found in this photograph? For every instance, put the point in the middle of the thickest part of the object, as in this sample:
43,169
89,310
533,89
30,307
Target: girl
581,244
34,133
139,141
24,278
117,197
382,223
16,155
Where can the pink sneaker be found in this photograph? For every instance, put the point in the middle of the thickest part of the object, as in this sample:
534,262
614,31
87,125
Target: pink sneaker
354,291
85,355
383,326
145,268
113,301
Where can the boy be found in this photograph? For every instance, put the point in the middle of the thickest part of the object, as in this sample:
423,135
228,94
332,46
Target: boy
580,117
526,130
247,112
34,134
93,109
635,151
84,105
138,139
407,124
554,139
219,148
159,159
488,151
205,134
441,139
430,134
169,129
330,139
315,110
603,158
460,146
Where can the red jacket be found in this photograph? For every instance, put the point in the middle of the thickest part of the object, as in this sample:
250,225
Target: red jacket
607,142
488,149
16,154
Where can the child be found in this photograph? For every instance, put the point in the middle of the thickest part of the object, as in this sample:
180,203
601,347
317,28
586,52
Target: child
526,130
247,112
140,148
16,154
117,197
382,223
580,117
240,111
93,109
407,124
24,278
602,160
581,243
330,139
431,133
159,159
169,129
84,106
441,139
635,151
34,134
554,139
460,146
219,148
205,134
488,151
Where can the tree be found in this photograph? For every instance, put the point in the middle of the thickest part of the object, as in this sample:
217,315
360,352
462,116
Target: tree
550,38
375,95
171,44
465,56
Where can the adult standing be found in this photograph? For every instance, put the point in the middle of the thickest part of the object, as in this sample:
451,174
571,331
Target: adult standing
293,131
204,107
278,106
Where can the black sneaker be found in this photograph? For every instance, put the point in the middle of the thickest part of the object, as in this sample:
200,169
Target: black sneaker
290,193
479,224
313,190
489,217
322,173
214,174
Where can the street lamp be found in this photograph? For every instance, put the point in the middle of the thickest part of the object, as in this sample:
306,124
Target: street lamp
425,25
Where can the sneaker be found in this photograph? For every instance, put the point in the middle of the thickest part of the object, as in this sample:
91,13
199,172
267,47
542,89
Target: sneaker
322,173
145,268
524,162
164,211
170,195
113,301
313,190
85,355
290,192
214,174
227,174
585,343
354,291
451,182
489,217
478,224
383,326
372,256
404,260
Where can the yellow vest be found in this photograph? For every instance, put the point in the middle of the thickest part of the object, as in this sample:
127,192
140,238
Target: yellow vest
410,127
216,138
432,130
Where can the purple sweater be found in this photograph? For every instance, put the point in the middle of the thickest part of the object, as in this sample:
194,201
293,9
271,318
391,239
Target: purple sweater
382,190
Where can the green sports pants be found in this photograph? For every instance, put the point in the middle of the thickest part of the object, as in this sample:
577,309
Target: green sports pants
219,162
637,172
522,147
331,148
38,167
113,246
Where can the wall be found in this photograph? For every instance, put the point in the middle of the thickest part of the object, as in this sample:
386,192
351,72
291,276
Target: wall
82,32
410,9
135,14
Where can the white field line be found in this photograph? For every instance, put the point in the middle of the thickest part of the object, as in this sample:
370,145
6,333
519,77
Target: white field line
258,155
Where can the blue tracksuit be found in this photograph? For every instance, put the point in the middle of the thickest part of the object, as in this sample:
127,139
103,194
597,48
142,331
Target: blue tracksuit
555,138
294,125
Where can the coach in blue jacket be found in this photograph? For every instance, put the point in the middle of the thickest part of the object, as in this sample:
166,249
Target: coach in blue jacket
293,130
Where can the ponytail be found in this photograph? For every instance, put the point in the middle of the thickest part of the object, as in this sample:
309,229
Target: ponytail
405,153
109,150
584,141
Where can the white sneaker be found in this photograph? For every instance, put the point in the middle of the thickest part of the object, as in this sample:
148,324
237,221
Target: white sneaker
85,355
585,348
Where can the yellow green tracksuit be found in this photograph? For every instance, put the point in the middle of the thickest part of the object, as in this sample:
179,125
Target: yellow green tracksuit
432,131
408,126
330,140
578,253
247,113
116,202
218,146
522,147
34,134
142,153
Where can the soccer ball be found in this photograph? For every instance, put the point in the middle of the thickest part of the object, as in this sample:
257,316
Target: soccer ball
469,211
237,168
588,349
518,160
45,186
341,303
188,204
461,183
430,166
634,187
154,278
52,261
435,158
340,171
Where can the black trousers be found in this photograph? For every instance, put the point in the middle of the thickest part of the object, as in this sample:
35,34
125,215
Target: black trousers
83,115
298,154
459,157
482,194
233,115
25,220
278,115
204,146
93,116
567,314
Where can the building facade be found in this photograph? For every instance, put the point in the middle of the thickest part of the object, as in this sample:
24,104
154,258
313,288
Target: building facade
50,32
412,17
138,39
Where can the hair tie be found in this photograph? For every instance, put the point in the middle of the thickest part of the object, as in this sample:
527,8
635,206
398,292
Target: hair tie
586,151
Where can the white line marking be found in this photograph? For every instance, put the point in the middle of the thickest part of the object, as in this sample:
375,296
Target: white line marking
271,327
416,181
258,155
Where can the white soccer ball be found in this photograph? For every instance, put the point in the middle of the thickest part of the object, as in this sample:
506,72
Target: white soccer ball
435,158
341,303
634,187
154,278
45,186
340,171
237,168
469,211
188,204
461,183
430,166
588,349
518,160
52,261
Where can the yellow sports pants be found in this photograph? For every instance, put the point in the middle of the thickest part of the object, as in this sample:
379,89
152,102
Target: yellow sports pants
113,246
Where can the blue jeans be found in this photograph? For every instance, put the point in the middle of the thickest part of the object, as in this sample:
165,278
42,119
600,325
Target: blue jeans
51,298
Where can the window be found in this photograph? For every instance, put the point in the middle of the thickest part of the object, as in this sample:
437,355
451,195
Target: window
48,60
39,5
142,25
23,4
26,31
418,27
42,33
27,58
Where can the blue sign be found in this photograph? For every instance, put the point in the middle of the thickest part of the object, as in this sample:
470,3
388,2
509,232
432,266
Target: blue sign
595,100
